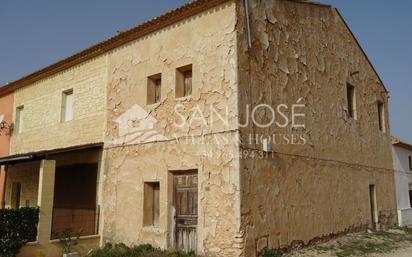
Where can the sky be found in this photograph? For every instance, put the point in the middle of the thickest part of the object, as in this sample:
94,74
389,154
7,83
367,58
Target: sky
34,34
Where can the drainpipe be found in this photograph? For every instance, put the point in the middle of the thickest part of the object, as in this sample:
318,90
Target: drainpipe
247,23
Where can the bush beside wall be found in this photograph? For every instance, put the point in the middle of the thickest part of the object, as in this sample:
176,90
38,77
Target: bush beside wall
17,227
145,250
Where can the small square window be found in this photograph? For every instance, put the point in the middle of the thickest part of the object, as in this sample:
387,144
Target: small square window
184,81
19,119
351,98
154,88
381,117
67,106
151,204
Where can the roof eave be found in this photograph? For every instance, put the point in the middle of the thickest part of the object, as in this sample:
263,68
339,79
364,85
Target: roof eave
160,22
363,51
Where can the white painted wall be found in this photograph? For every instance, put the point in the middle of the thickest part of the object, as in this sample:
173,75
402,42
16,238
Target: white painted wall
403,177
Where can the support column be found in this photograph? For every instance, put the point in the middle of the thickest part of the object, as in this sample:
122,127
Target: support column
45,200
2,186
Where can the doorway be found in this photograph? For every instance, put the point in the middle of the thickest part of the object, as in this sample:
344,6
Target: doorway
74,205
374,210
185,195
15,195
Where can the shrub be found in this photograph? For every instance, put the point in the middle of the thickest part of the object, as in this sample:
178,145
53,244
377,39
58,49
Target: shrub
271,253
17,227
145,250
68,239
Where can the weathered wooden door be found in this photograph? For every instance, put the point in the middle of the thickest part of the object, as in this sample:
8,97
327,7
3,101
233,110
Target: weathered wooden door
185,203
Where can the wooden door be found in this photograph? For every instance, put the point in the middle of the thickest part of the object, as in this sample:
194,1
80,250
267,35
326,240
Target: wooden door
185,204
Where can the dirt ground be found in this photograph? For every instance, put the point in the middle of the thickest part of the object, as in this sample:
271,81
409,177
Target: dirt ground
392,243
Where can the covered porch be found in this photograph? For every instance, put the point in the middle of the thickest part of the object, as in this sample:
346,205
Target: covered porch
66,185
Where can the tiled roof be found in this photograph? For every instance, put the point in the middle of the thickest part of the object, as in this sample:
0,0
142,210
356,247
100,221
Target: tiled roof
122,38
400,143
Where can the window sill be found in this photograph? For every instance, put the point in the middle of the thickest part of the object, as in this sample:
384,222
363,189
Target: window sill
80,238
35,243
153,105
152,229
184,98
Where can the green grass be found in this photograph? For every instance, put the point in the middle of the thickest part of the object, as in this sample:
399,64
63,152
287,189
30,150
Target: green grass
378,242
364,244
362,247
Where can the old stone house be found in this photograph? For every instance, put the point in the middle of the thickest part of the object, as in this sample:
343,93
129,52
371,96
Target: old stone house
224,127
402,165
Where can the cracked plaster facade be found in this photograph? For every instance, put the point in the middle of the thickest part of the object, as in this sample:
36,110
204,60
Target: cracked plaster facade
297,194
307,191
207,41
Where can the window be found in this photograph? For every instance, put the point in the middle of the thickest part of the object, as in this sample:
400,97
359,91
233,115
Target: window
154,86
15,195
351,98
381,117
410,194
151,204
184,81
19,119
67,106
410,163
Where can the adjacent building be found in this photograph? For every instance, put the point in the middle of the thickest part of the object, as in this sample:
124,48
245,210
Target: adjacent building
224,127
6,114
56,151
402,164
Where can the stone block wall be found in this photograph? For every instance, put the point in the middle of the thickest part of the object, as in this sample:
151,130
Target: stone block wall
42,100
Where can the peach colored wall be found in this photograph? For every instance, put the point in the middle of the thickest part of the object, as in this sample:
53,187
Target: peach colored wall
6,108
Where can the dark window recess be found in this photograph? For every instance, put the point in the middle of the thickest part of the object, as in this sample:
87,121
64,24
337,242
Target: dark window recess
151,204
410,197
410,163
350,90
381,117
154,89
184,81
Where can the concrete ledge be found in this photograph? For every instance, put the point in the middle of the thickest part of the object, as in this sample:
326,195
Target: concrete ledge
80,239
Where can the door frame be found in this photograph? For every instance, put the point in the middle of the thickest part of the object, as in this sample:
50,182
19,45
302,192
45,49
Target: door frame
373,207
171,210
